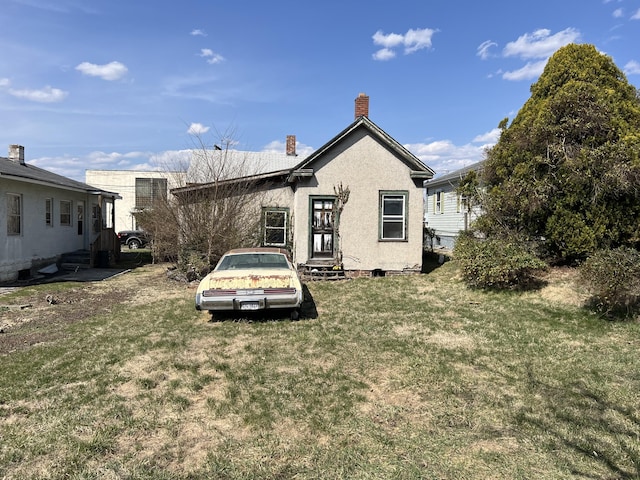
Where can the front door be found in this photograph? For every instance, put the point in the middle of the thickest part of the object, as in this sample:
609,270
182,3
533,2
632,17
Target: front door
322,225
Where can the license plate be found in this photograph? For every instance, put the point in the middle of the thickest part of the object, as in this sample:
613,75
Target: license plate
250,306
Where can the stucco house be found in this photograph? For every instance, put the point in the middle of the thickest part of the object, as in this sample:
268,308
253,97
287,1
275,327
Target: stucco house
448,212
137,189
378,230
45,215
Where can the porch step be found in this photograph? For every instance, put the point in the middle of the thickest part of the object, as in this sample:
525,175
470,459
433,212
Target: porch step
320,272
72,261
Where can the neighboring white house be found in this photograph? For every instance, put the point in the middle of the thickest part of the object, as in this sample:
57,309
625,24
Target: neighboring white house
44,215
381,226
138,190
448,212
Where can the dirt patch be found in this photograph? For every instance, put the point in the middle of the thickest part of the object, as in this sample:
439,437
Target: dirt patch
39,316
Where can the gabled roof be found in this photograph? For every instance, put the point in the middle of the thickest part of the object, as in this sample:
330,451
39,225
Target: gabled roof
263,166
455,176
418,169
23,172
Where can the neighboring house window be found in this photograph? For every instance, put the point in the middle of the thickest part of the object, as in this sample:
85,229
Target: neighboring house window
275,226
48,212
150,190
438,202
14,214
65,213
393,215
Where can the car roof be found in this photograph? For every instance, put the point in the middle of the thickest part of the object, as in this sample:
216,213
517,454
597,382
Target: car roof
235,251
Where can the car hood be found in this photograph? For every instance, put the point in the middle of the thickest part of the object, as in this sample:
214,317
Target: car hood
238,279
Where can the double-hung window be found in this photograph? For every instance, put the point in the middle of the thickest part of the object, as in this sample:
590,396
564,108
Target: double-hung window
393,215
65,213
438,202
275,224
14,214
48,212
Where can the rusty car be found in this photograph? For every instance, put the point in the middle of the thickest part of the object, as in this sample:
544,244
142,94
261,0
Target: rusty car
250,280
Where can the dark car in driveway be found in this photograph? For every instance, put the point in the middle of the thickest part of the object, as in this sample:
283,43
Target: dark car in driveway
134,238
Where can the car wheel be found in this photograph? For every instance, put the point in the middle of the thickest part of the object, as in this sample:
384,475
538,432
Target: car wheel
134,245
295,314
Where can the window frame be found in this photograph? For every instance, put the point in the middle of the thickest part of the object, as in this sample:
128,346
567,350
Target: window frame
265,212
48,212
63,221
12,216
438,202
389,218
148,190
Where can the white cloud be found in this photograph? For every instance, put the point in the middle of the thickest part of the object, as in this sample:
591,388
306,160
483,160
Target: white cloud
196,32
44,95
444,156
490,137
388,41
617,13
4,82
197,129
540,44
483,49
413,40
110,71
278,146
529,71
418,39
632,68
75,166
636,16
384,54
211,56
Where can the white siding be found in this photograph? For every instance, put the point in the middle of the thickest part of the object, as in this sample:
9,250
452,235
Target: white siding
123,182
39,243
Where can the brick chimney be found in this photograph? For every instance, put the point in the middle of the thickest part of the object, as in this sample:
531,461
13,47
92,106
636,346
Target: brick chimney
16,154
291,145
362,105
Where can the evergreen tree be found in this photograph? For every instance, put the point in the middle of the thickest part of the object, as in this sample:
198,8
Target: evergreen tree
567,169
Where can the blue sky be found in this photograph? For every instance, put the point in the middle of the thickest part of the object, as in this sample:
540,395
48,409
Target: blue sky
122,84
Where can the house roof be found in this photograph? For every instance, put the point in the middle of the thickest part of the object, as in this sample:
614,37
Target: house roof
455,176
24,172
230,164
418,168
235,165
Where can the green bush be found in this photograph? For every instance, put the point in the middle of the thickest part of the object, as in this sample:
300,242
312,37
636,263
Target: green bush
496,262
612,277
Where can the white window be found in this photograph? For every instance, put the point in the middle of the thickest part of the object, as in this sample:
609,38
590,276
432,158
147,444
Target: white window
14,214
65,213
275,224
393,215
48,212
438,202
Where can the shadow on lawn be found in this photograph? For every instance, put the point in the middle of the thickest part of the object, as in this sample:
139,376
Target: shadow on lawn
433,260
577,417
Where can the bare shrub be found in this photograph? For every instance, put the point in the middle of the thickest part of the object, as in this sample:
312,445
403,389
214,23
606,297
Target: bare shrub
612,277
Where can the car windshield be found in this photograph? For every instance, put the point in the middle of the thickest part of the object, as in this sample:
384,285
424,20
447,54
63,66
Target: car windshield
249,261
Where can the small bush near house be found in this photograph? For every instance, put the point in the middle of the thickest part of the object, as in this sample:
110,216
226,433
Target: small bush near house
496,262
612,277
